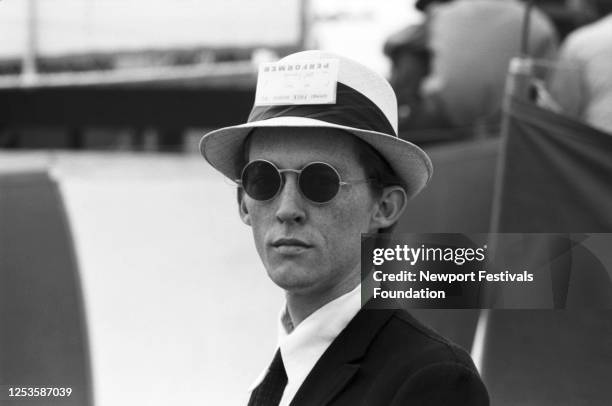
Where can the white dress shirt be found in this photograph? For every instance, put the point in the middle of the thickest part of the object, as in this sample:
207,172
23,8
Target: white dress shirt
301,347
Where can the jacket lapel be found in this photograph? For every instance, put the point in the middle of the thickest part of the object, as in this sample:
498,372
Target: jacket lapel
340,361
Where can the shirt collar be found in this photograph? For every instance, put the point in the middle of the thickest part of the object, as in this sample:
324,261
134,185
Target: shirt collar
302,347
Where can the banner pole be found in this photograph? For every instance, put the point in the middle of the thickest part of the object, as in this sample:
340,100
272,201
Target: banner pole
28,67
526,26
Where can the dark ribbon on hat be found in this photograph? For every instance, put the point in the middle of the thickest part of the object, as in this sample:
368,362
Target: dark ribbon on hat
352,109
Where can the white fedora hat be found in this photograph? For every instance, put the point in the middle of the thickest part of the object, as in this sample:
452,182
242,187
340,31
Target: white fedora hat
363,105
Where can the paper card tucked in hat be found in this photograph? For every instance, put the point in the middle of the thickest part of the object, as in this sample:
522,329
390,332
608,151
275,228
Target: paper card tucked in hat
297,82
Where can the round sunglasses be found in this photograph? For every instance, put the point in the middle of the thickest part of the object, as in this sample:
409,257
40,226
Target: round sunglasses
319,182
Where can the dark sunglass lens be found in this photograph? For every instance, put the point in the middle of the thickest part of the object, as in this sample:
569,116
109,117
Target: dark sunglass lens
319,182
261,180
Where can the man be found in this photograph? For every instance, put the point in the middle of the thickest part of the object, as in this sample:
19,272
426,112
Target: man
582,81
472,43
319,163
410,64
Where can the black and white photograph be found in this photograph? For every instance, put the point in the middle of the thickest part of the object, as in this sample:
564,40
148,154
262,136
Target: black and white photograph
306,202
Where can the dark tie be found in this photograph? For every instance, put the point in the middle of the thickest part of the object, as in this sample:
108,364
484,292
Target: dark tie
270,390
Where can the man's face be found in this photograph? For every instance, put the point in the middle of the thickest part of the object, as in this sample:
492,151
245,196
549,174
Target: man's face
325,251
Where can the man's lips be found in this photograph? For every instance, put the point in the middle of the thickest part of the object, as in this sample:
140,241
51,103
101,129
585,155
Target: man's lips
290,242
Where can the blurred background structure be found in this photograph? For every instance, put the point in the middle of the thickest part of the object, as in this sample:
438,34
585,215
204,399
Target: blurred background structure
125,272
134,75
103,74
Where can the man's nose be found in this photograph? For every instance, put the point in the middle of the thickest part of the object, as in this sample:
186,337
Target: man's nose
290,201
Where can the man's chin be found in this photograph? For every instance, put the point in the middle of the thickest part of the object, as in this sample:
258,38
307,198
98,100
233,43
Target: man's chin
293,280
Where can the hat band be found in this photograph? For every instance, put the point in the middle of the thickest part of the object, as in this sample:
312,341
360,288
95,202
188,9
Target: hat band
352,109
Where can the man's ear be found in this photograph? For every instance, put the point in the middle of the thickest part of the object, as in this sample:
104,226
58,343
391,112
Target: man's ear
242,208
389,207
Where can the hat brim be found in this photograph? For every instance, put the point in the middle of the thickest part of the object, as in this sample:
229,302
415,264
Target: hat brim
222,148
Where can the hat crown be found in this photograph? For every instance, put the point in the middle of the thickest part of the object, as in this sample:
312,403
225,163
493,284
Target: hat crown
360,78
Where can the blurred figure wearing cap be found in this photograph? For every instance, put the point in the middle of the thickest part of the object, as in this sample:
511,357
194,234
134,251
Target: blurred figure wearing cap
317,167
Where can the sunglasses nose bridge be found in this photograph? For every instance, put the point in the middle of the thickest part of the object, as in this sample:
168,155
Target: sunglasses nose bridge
283,177
296,171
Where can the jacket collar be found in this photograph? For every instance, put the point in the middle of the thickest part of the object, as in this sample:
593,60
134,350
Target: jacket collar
341,360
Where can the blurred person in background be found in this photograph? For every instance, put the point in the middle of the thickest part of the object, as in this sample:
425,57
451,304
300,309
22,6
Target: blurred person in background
582,81
312,178
471,44
410,64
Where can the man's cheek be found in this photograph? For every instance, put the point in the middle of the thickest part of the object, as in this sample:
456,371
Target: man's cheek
259,239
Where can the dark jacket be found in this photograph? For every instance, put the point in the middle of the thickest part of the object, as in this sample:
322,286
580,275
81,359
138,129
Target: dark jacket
386,357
